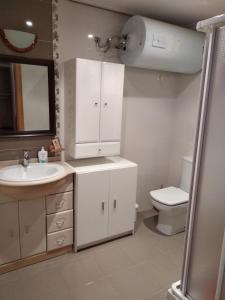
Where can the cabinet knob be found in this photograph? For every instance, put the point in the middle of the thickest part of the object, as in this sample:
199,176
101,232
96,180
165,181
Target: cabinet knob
96,103
60,222
60,241
99,150
106,104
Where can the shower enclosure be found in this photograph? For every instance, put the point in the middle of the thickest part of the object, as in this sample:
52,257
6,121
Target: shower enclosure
203,276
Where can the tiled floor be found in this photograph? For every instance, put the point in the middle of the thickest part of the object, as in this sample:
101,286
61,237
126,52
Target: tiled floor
139,267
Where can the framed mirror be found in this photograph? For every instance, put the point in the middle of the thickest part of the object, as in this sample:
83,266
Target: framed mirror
27,97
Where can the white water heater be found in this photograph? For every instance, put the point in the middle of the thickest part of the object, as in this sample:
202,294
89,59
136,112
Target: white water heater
157,45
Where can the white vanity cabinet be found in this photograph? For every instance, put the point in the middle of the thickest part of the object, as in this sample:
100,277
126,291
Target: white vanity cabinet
30,228
92,206
32,222
93,107
105,198
9,232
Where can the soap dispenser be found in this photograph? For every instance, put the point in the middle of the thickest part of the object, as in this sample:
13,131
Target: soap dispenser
43,155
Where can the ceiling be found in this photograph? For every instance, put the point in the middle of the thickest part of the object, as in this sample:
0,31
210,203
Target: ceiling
183,12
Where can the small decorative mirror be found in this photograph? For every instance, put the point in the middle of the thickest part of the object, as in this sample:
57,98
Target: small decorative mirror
27,97
18,41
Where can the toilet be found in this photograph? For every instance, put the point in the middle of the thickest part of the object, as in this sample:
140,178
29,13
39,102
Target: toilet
172,202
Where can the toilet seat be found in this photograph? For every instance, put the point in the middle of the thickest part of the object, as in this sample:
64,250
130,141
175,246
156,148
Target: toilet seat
170,196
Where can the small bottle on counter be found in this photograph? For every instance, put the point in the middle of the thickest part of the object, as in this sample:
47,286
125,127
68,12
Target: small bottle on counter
43,155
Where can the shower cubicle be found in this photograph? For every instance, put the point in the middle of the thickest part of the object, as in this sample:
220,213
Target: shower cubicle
203,275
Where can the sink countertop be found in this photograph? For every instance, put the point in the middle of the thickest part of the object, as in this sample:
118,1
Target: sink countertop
99,163
67,171
70,167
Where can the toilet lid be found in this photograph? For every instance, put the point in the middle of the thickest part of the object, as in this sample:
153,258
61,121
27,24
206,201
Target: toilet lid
170,196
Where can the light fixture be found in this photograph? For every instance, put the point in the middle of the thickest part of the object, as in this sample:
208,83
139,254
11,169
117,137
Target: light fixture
29,23
90,36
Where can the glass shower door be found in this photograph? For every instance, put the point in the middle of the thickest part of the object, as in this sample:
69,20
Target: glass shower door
209,216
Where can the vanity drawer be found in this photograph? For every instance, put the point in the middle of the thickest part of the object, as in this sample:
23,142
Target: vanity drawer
59,202
67,185
60,221
60,239
96,149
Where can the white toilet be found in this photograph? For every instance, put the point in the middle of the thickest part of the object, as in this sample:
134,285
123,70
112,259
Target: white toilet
172,202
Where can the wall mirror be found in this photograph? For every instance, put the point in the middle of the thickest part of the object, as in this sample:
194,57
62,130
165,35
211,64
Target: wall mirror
27,97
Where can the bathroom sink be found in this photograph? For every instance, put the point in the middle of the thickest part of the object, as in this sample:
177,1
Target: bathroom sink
33,172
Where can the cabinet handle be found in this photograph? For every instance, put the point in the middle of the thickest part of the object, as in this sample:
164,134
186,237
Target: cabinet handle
11,233
59,204
103,206
60,241
60,222
114,203
26,229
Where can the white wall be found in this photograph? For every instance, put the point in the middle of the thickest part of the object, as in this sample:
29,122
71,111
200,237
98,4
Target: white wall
76,21
149,104
185,123
150,97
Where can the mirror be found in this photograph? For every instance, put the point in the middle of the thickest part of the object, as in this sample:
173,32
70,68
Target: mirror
27,104
18,41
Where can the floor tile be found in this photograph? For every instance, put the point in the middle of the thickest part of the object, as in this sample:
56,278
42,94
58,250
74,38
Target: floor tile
137,267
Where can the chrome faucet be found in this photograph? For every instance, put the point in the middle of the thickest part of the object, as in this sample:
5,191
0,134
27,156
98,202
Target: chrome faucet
26,158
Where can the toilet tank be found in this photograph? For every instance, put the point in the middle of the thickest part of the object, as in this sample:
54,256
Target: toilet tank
186,174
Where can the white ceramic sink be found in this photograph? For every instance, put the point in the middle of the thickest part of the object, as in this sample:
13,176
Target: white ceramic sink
33,172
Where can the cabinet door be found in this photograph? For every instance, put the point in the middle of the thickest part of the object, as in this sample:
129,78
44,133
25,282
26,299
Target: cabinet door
88,79
9,232
91,207
32,219
111,101
122,200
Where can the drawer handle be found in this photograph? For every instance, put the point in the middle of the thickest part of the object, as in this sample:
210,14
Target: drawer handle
114,203
11,233
60,222
60,241
59,204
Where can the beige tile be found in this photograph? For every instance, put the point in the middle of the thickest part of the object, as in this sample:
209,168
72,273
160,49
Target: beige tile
132,284
47,284
109,257
141,249
79,273
98,290
145,279
139,267
161,295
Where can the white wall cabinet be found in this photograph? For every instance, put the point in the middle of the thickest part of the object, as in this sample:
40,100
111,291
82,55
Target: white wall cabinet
93,107
111,101
9,232
32,227
88,95
105,203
